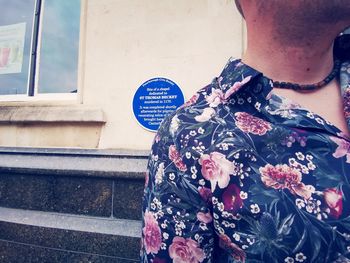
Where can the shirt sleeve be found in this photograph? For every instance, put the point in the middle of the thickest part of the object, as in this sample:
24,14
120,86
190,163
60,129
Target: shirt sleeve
177,215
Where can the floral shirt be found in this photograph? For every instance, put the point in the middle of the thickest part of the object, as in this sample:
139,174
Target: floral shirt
239,174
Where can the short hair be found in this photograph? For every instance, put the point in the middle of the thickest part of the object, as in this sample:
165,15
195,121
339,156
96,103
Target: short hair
239,8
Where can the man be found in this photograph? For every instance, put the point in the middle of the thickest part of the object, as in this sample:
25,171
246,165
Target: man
255,167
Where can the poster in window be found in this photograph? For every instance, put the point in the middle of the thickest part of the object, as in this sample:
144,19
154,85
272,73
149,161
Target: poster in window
11,48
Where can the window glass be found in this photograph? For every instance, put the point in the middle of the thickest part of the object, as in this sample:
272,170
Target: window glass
58,61
16,26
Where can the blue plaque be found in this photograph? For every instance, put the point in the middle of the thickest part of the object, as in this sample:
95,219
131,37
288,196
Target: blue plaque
155,99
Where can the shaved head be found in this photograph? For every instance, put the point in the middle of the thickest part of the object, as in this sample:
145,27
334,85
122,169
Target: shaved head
293,20
325,11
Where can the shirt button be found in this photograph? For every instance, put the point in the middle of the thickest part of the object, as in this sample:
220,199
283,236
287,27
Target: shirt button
258,88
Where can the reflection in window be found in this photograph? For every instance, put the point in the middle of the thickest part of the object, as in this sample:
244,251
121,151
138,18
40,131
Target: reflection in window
39,45
59,46
16,26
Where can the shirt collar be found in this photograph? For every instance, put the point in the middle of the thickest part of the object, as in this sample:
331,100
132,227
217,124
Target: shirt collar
235,72
238,76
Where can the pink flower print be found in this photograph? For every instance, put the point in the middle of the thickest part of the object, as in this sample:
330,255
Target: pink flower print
343,148
282,176
206,194
346,99
232,199
215,98
235,251
334,200
206,115
185,251
191,101
175,157
236,86
216,168
152,238
159,260
204,217
249,123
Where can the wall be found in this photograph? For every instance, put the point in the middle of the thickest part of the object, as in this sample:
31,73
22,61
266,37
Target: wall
131,41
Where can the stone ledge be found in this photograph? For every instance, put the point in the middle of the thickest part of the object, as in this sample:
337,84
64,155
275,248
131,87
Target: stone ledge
32,242
73,162
100,225
48,114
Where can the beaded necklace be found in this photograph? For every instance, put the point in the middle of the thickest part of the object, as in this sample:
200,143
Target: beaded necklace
310,87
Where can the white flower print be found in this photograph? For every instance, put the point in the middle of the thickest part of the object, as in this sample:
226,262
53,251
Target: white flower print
174,125
293,162
243,195
300,203
159,174
300,156
304,169
250,241
224,146
289,260
320,121
311,166
153,206
193,169
254,208
220,207
155,158
300,257
201,130
237,237
309,157
310,115
221,230
258,105
346,236
240,101
171,176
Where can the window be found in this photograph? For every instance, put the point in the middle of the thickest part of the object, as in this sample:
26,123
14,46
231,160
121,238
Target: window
39,46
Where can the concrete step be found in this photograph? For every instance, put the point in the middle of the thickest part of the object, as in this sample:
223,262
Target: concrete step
70,205
32,236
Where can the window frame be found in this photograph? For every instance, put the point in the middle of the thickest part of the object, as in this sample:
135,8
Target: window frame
32,94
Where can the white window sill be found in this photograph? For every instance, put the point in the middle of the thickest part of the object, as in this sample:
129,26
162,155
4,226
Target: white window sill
49,114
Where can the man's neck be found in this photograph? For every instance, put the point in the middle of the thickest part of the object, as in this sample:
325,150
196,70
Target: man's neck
306,63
